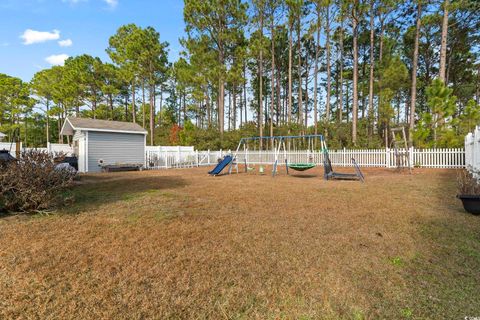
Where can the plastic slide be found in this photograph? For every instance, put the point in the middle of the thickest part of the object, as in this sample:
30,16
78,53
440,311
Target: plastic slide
225,162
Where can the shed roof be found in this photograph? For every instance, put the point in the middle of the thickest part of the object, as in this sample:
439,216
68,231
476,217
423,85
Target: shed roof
86,124
2,135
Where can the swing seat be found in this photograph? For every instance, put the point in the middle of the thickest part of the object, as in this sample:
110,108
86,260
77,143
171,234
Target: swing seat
301,166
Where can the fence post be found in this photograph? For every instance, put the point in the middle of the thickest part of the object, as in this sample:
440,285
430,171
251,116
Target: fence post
166,158
387,157
468,150
343,156
411,156
476,151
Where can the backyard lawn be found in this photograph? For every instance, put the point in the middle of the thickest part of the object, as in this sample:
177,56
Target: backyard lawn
181,244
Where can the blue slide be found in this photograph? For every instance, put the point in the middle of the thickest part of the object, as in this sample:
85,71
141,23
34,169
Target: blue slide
225,162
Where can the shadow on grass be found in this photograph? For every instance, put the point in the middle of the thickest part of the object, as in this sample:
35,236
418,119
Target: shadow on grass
98,191
306,176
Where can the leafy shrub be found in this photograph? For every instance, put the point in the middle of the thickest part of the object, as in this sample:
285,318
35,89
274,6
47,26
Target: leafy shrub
32,183
467,183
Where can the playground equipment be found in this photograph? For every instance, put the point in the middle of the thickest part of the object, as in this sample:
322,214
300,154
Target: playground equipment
227,160
329,174
282,145
402,158
315,146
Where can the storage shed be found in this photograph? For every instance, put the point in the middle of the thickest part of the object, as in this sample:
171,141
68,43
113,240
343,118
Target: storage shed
99,143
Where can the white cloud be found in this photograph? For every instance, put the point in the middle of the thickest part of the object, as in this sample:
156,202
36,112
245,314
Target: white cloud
57,59
111,3
73,1
32,36
65,43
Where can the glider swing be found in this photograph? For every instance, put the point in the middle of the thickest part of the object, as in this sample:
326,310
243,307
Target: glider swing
306,142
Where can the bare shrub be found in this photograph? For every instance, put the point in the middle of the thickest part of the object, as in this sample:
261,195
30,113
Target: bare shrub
32,183
467,183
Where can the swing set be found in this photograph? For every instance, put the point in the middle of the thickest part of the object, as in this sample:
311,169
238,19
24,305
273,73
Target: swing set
262,148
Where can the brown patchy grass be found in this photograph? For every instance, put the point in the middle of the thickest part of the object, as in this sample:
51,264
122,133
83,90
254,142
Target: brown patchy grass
180,244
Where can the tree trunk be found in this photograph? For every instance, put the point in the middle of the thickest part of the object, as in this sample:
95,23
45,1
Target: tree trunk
363,77
382,32
184,108
347,100
380,59
315,71
307,74
260,75
340,93
443,47
234,118
152,114
372,67
110,102
245,91
355,74
48,120
241,107
279,106
414,74
478,84
134,111
299,67
290,62
272,97
329,72
160,106
143,104
221,94
126,108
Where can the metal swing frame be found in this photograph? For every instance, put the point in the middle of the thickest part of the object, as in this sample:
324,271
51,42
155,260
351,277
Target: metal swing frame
279,146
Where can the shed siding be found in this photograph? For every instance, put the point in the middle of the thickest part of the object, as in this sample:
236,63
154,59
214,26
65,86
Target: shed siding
115,148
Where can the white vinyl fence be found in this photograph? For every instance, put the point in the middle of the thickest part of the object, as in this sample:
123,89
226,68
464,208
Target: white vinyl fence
51,148
472,151
423,158
162,157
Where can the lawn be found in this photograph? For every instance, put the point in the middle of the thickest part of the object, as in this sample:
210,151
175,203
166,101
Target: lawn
181,244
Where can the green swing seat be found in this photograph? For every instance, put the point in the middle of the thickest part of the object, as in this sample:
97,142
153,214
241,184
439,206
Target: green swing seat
301,166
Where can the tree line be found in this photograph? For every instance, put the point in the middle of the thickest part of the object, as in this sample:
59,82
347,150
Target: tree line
348,69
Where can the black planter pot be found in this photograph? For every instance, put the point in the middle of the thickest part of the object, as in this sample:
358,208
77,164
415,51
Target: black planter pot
471,204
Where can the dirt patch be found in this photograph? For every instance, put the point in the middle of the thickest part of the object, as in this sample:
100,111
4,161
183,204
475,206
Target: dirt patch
182,244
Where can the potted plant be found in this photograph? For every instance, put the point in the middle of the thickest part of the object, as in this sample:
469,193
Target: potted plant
469,191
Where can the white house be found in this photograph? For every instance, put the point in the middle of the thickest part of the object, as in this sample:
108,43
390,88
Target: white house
103,142
2,136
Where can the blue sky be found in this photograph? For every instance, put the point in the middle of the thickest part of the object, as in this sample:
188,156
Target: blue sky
36,33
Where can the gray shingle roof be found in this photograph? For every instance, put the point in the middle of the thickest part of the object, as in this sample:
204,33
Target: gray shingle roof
105,125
